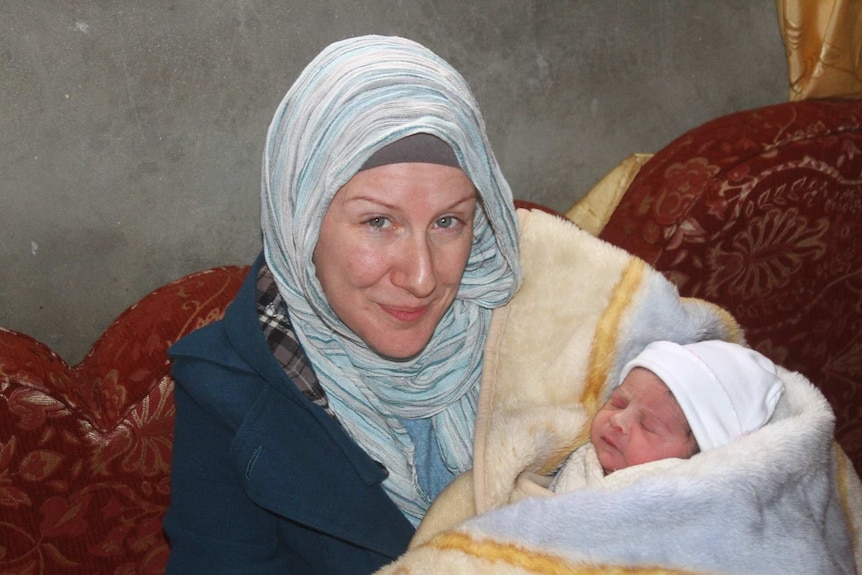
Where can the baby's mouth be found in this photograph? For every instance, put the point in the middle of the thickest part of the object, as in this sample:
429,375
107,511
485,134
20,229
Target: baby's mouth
609,442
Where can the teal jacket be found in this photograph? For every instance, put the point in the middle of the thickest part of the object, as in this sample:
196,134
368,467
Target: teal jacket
263,480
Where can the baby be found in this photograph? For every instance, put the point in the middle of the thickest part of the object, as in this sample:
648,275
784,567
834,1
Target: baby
673,401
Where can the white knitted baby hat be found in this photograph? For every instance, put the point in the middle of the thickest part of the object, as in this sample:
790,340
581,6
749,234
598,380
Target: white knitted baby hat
725,390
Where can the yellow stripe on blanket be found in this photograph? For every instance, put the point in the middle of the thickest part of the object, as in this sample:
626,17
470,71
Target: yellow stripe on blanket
849,493
531,561
603,352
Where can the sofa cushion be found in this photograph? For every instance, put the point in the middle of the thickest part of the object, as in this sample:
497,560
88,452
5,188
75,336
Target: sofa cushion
761,212
85,450
593,210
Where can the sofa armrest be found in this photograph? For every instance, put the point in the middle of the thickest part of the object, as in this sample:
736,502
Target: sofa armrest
85,450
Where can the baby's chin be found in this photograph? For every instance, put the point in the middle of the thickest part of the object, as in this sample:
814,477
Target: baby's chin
609,464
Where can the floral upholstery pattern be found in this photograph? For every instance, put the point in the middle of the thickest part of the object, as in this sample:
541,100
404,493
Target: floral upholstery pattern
761,212
85,451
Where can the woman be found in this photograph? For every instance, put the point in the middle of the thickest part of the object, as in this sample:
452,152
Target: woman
337,397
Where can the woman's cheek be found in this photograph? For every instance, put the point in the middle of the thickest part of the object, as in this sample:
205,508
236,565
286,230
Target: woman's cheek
365,265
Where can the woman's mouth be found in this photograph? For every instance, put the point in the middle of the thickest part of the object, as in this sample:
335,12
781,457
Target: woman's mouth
405,314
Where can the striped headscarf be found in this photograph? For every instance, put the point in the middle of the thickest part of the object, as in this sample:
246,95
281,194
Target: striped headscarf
355,97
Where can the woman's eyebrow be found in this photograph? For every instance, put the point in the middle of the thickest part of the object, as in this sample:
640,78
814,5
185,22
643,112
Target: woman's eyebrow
368,200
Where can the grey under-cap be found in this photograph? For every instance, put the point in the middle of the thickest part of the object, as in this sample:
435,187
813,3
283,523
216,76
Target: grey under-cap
422,147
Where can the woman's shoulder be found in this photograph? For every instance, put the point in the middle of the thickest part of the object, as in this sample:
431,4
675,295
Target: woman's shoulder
207,367
208,343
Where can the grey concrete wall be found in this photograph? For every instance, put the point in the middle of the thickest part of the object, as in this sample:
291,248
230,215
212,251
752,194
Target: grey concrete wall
131,132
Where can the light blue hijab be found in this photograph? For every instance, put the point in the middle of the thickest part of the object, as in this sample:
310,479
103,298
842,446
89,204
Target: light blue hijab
357,96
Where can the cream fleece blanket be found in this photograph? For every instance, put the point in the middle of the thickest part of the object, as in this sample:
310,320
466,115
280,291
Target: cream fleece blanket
784,499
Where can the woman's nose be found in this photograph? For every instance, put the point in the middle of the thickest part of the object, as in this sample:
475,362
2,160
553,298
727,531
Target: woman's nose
414,270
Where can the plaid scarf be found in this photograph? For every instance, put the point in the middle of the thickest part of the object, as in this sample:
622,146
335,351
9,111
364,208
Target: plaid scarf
278,332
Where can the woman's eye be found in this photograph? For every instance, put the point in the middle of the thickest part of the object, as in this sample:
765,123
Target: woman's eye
379,222
446,222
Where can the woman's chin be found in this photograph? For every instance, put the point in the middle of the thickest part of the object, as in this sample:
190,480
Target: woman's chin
399,348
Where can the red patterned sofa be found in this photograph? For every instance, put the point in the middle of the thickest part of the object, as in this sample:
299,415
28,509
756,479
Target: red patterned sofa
85,450
760,211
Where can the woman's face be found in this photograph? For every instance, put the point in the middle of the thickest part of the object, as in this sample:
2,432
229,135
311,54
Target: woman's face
391,252
641,422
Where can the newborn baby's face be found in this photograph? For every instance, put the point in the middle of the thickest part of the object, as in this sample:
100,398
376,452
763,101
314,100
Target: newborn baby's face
640,422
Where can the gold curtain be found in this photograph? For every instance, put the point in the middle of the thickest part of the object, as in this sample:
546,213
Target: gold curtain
823,41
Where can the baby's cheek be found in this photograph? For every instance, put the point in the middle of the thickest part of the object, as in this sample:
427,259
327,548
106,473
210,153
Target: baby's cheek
597,425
